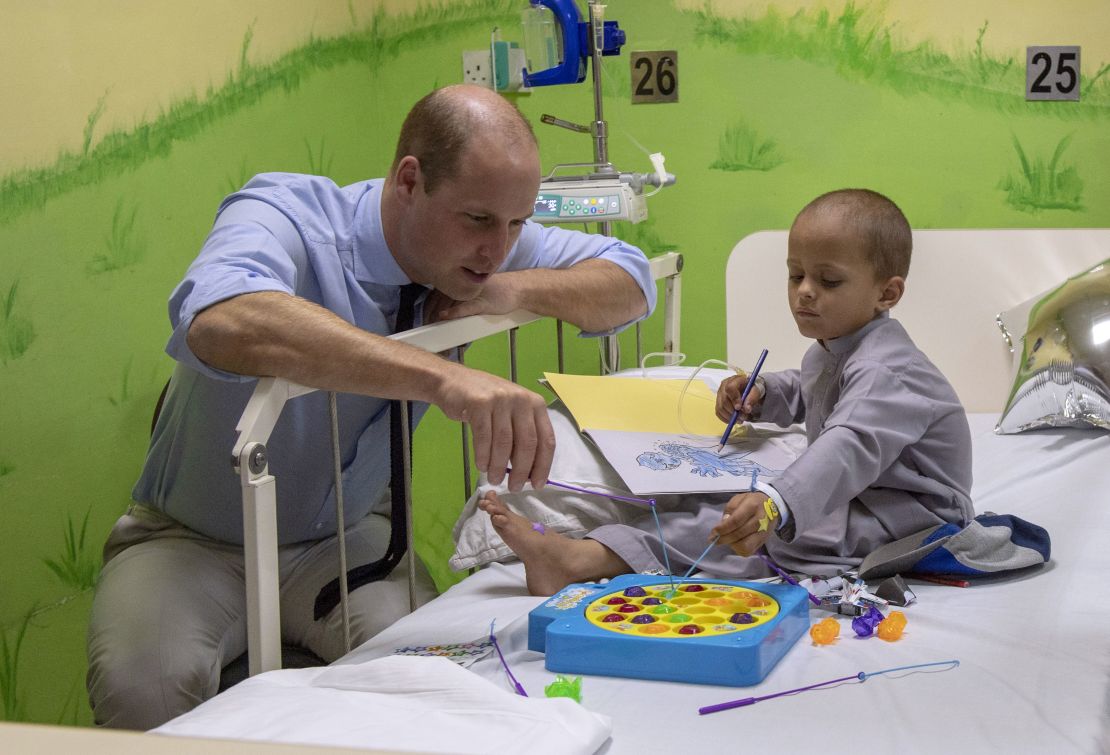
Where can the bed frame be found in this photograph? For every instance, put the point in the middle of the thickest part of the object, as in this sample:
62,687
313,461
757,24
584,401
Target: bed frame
249,456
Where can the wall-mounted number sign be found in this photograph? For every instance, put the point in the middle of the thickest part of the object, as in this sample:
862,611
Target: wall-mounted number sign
654,76
1052,73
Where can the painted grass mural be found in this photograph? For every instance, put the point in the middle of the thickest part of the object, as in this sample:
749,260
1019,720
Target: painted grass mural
122,248
78,565
12,704
859,44
16,331
775,109
379,41
1044,184
741,147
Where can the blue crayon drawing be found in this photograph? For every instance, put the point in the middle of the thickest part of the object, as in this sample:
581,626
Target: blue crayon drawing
704,462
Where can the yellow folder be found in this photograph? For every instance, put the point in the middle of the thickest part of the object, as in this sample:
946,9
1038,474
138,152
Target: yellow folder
637,404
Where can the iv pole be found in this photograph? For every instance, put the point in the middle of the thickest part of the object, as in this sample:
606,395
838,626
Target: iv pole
610,359
600,130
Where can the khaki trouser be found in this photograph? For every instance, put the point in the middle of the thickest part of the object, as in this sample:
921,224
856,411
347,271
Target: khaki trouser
170,611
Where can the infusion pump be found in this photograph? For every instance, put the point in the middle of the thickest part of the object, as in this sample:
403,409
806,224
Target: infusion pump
588,201
598,196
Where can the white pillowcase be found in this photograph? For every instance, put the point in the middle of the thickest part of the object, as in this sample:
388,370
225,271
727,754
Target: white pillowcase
577,462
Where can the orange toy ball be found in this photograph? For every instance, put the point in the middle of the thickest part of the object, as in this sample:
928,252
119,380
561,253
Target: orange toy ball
825,631
890,628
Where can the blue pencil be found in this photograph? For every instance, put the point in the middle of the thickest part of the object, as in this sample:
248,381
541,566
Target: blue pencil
743,398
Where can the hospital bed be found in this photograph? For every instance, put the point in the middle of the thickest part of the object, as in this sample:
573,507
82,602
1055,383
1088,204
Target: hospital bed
1033,649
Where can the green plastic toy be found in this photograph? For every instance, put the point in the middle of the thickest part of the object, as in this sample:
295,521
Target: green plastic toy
564,687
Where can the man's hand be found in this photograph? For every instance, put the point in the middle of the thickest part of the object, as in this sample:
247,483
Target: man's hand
728,398
740,527
508,424
593,295
498,297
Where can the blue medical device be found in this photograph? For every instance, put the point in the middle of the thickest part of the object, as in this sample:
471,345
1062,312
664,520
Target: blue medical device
568,43
705,631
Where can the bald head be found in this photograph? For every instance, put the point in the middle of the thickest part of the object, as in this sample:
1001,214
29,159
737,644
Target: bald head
442,124
876,221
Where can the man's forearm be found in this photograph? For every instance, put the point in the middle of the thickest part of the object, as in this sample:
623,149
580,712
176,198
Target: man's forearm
594,295
273,334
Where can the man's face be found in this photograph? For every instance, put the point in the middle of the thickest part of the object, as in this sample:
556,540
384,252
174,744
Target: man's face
832,288
459,233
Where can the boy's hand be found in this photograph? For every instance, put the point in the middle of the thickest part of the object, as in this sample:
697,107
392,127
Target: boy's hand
728,398
740,526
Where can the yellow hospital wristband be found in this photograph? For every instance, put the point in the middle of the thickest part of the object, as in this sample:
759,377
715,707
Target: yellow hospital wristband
771,509
772,512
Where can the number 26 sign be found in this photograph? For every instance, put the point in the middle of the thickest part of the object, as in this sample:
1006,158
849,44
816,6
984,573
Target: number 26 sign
654,76
1052,73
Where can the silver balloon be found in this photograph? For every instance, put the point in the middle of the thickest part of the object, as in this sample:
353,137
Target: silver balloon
1062,374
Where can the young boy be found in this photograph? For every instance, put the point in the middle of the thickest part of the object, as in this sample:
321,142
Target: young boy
889,449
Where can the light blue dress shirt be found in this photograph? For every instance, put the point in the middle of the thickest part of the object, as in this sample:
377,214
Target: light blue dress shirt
324,243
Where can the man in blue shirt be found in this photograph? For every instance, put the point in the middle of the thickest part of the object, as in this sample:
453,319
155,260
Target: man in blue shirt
301,279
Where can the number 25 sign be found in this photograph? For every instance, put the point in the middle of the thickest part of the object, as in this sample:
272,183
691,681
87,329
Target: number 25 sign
1052,73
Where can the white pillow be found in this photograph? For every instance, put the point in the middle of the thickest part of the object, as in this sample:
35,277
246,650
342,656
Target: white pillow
577,462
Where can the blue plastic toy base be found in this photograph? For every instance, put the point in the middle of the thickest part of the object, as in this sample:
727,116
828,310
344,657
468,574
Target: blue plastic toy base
573,644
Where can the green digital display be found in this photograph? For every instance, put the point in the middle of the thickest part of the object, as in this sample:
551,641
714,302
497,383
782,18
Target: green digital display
547,206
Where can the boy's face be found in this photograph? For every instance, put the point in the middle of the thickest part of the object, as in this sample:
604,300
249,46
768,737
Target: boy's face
832,287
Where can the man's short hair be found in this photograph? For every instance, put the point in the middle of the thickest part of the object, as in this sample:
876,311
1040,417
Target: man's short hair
437,129
878,222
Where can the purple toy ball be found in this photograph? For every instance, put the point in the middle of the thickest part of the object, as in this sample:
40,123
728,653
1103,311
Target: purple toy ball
864,626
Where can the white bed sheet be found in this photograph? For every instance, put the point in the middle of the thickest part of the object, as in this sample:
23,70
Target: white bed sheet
1033,650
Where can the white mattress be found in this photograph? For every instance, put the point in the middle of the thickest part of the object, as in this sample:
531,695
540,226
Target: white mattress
1034,651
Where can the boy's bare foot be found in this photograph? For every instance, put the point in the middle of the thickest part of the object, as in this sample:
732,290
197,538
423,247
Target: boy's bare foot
551,560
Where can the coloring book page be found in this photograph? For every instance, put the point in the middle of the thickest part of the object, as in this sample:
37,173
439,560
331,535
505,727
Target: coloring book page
661,435
655,463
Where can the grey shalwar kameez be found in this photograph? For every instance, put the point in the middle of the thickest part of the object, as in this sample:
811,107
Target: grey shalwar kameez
889,454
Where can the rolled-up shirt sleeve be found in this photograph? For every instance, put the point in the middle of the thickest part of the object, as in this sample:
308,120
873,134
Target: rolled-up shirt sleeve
559,248
236,259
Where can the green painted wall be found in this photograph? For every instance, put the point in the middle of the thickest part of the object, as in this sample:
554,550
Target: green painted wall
776,107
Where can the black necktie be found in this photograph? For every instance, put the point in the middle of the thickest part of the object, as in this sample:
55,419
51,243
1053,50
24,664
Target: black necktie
328,597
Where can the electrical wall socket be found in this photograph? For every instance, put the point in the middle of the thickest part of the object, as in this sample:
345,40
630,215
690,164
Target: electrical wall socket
477,69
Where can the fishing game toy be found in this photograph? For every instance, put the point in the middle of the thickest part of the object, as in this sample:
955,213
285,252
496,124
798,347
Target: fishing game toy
643,627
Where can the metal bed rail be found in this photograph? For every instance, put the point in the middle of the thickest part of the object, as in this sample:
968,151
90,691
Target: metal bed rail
249,456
